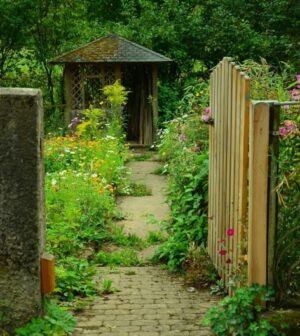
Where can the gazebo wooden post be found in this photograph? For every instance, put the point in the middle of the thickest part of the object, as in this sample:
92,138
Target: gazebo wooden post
118,72
68,92
154,99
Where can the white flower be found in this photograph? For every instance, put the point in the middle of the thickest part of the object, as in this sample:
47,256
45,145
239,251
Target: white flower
53,182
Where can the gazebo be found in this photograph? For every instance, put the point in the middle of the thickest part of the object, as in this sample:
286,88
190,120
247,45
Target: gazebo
89,68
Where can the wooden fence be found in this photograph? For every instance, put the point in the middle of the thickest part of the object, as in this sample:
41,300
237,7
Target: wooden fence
242,208
228,167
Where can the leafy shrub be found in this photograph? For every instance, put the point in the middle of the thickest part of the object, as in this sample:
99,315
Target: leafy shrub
56,322
75,278
238,315
184,148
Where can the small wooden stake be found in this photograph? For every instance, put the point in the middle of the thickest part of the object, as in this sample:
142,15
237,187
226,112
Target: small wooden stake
47,273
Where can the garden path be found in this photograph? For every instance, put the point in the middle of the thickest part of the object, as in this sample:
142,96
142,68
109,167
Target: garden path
150,301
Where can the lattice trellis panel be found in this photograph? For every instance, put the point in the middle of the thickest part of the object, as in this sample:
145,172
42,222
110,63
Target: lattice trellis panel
87,82
77,93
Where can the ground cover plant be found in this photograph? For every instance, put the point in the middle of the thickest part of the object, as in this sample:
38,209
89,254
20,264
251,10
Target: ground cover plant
57,321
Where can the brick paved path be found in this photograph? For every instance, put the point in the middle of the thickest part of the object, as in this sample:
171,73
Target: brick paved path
150,302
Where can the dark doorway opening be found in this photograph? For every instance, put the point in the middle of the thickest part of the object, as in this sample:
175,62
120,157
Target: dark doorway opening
137,79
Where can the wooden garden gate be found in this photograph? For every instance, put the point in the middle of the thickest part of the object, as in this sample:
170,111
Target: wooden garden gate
238,176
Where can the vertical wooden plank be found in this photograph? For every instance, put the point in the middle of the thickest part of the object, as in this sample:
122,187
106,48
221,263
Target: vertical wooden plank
258,193
236,164
228,171
220,136
273,182
231,166
243,162
224,217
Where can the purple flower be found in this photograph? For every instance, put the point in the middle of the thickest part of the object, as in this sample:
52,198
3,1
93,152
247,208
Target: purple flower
74,122
282,131
286,107
290,126
298,78
295,94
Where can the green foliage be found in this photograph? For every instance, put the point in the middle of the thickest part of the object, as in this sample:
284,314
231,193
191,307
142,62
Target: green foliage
75,278
82,179
123,257
194,40
56,322
239,314
155,237
184,147
106,287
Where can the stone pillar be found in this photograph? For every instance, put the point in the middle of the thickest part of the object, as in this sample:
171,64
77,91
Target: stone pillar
21,206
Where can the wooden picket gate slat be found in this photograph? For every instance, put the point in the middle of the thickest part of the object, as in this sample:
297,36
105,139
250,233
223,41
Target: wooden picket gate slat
228,166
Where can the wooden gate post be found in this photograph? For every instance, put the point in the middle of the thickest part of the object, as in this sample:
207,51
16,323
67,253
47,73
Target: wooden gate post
21,206
258,192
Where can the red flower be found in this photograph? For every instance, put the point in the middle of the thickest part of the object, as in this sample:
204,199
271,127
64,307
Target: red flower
230,232
222,252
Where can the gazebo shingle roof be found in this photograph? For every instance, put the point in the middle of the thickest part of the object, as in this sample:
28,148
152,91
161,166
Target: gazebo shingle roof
111,49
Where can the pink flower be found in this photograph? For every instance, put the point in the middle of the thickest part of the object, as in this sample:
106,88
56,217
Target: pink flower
207,110
295,94
222,252
298,78
286,107
282,131
205,118
230,232
290,126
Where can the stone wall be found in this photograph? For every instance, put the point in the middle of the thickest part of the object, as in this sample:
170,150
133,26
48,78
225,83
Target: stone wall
21,205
